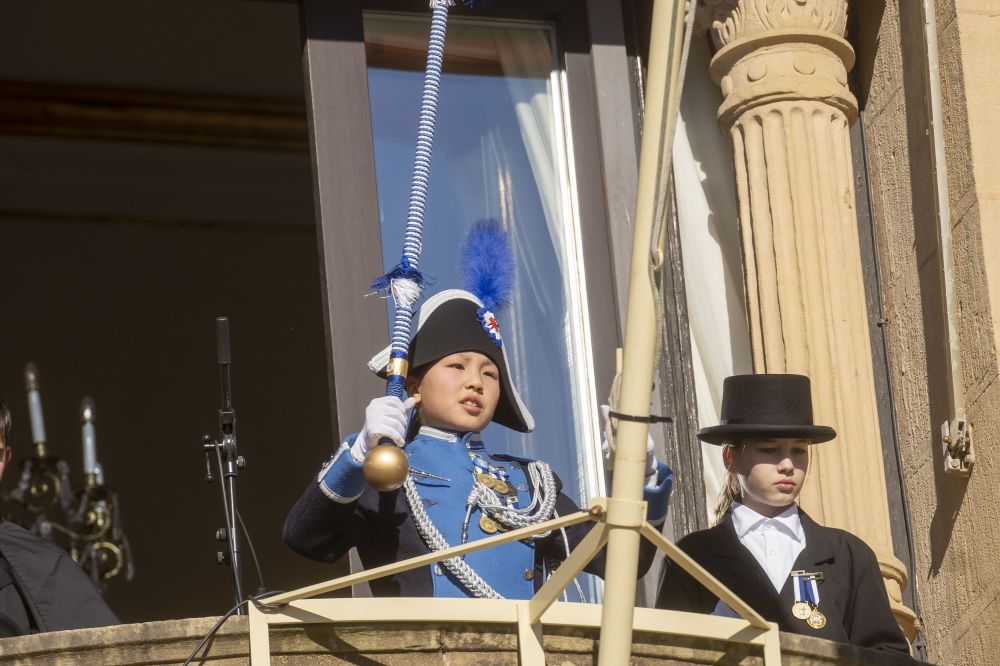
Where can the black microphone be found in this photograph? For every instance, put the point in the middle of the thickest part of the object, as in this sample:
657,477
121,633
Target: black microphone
226,415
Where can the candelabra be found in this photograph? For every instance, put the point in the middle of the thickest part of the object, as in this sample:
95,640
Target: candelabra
86,520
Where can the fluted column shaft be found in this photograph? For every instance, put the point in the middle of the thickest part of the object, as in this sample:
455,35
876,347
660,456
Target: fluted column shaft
782,66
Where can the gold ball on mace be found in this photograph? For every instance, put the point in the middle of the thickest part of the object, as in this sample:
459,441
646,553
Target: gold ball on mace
386,467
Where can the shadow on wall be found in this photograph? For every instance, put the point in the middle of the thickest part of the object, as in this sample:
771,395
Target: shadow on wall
867,41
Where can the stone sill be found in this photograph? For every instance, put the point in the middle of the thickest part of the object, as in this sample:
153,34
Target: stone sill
404,644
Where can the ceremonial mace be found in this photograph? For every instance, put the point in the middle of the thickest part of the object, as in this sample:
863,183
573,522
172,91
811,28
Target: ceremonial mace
228,462
386,465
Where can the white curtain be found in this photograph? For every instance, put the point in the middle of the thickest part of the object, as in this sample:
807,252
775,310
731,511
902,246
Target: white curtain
710,246
547,276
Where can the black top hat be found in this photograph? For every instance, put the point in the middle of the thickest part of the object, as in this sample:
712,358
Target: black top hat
758,406
454,321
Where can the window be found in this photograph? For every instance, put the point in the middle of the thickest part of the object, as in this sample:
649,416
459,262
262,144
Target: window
500,151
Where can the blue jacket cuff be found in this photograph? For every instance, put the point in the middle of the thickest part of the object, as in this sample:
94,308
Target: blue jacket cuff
343,478
658,497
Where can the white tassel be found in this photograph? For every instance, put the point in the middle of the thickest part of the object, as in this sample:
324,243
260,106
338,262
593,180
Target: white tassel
405,292
442,3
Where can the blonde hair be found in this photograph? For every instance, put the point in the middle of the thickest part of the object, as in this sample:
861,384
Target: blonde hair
731,491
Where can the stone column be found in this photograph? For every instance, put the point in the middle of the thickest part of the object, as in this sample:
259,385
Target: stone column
782,66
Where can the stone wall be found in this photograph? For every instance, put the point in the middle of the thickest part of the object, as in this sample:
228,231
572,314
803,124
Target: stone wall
400,644
952,522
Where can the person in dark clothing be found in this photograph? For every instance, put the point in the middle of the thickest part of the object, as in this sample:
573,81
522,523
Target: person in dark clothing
810,579
41,587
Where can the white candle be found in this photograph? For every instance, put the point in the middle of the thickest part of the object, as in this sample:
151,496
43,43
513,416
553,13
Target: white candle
88,414
31,383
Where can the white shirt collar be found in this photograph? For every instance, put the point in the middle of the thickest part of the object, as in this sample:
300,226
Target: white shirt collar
746,520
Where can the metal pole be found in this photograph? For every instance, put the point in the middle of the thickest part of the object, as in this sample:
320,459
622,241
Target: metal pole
665,43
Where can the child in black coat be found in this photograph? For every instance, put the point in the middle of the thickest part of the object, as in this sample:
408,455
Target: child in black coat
810,579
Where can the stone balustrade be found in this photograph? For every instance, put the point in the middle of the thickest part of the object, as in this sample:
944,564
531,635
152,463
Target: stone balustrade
410,644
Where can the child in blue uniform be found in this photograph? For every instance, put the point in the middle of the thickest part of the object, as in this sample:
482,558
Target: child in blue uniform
457,490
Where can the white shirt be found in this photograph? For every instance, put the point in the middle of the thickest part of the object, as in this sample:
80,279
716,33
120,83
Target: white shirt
775,542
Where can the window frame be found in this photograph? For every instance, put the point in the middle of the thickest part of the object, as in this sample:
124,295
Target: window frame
344,175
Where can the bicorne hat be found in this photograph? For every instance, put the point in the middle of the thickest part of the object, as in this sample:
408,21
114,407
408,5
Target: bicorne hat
455,320
766,405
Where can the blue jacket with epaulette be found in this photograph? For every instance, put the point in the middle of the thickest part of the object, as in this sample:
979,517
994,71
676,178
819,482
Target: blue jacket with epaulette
339,511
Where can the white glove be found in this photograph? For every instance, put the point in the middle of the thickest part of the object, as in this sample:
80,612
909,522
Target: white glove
609,452
387,416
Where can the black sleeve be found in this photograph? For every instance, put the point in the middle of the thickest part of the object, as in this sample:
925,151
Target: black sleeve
871,623
55,593
322,529
14,618
555,547
679,590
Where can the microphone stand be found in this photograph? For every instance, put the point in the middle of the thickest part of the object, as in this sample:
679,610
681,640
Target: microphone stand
229,463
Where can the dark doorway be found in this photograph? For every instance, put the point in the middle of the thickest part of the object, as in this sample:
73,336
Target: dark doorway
154,175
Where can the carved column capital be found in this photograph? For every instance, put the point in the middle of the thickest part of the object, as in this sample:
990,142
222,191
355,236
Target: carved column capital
733,20
780,50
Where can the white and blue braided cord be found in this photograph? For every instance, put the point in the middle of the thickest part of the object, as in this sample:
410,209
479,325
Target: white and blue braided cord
405,281
425,136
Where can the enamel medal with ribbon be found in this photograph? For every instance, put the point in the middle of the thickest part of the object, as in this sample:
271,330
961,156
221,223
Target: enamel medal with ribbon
816,620
801,609
806,606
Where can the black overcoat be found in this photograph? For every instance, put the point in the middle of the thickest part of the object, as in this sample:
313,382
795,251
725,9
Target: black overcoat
42,589
382,529
852,593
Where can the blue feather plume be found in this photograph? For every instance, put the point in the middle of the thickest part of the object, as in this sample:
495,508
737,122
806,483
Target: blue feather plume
487,264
